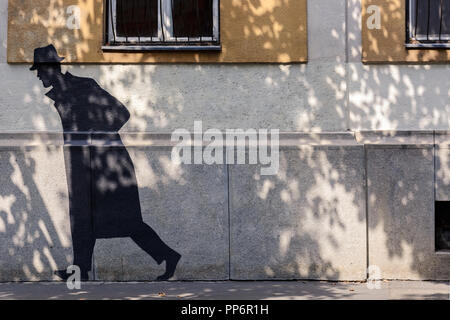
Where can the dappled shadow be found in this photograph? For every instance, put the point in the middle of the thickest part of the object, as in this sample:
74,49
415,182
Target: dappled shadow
251,31
399,97
387,44
33,224
243,290
308,221
260,290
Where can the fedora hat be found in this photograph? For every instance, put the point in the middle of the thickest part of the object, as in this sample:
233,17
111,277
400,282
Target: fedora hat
45,55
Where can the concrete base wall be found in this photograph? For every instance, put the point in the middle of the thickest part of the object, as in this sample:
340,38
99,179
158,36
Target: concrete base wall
34,218
187,206
401,198
310,221
307,222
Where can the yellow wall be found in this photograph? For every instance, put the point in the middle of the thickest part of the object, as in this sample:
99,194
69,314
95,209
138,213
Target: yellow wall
388,43
272,31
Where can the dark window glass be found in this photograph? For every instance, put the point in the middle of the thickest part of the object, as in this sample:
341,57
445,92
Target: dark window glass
446,18
442,225
192,18
137,18
430,19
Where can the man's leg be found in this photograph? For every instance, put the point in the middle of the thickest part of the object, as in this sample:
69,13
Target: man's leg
83,247
77,161
147,239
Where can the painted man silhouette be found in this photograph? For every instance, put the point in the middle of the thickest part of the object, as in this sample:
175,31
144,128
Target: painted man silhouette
103,193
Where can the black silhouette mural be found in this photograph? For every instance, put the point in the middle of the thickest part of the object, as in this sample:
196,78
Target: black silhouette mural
103,192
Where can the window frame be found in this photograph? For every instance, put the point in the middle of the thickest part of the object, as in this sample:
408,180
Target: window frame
414,43
159,43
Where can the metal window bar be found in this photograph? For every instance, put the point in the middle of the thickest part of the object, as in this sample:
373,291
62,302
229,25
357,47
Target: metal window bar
155,25
428,24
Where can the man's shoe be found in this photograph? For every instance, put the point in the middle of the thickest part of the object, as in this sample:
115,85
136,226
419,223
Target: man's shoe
171,265
62,274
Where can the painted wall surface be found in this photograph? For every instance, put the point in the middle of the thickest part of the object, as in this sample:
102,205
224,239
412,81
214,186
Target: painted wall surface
310,221
262,31
386,42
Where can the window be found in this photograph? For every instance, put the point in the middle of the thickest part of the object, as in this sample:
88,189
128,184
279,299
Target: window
162,25
442,225
428,24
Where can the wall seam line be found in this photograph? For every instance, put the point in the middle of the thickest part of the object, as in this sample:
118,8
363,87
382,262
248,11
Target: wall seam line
346,31
366,182
347,70
434,190
229,220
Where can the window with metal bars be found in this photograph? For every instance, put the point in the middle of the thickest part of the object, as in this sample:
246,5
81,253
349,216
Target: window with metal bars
428,24
162,25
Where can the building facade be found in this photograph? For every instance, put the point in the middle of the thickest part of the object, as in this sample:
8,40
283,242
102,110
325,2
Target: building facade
360,98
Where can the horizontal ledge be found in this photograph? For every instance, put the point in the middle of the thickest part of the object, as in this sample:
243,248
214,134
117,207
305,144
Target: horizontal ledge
387,138
443,252
442,139
427,45
286,140
161,48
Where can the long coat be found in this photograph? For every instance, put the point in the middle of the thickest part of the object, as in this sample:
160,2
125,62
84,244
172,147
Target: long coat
103,193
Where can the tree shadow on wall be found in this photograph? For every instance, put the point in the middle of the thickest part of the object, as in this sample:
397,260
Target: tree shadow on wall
33,226
308,98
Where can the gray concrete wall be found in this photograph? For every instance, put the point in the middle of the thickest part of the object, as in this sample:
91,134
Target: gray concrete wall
306,222
311,220
401,196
